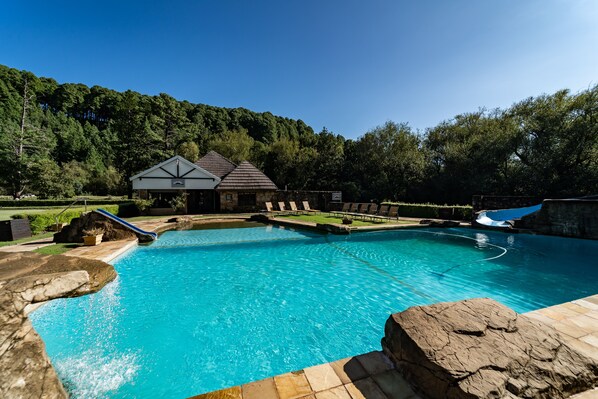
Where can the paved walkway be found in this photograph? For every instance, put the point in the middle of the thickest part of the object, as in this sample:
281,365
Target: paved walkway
28,246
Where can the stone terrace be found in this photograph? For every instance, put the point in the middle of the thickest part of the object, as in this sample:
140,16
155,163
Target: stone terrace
368,376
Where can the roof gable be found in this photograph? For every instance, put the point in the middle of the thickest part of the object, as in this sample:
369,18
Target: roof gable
216,164
176,167
246,177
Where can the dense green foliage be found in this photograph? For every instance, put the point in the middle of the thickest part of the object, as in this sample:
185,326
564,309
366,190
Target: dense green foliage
61,140
41,221
432,211
38,203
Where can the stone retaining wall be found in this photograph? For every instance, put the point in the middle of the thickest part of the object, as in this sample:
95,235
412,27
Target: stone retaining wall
568,218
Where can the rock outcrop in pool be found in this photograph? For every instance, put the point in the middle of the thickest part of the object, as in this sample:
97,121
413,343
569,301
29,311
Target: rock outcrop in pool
26,279
481,349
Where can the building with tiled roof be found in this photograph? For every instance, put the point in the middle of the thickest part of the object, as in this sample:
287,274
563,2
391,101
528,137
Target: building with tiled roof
246,177
245,188
216,164
212,184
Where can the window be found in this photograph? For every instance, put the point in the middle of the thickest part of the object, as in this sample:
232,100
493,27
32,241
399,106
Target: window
228,197
247,199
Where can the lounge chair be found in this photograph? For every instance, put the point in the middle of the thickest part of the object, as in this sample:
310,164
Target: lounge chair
344,210
282,207
269,207
307,208
294,208
371,214
382,212
393,212
353,208
362,211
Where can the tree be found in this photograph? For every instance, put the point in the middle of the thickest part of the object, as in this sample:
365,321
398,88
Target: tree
23,143
139,147
234,145
386,162
189,150
557,143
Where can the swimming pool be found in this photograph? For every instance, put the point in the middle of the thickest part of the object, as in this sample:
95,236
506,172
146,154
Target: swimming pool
200,310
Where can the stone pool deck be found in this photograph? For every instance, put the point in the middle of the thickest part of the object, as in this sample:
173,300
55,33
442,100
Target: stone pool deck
373,376
368,376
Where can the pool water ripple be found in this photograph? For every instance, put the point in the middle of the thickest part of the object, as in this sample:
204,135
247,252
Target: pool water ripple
201,310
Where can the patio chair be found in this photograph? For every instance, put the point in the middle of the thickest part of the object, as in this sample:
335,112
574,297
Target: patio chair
362,211
282,207
393,212
344,210
294,208
307,208
353,208
371,214
382,212
269,207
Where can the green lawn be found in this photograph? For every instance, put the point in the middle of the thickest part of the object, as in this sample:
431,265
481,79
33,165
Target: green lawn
56,249
329,218
28,239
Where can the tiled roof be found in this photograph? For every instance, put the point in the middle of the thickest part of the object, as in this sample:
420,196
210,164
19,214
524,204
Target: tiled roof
246,177
216,164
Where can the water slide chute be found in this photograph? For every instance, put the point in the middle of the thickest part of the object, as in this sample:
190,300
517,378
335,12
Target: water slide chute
504,217
150,234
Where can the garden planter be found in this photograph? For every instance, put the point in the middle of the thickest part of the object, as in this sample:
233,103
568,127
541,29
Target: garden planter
92,240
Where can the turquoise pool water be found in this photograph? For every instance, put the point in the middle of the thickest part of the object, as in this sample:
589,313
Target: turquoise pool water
199,310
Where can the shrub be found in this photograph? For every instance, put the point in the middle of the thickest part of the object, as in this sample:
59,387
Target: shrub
96,231
37,203
432,211
128,210
143,206
179,202
39,222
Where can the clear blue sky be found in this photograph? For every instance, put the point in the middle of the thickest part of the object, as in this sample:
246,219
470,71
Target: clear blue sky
348,65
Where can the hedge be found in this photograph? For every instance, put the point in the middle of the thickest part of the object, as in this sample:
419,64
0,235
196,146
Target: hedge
53,202
40,222
432,211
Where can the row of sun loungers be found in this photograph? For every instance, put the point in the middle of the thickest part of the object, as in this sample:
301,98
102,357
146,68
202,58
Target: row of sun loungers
369,211
282,208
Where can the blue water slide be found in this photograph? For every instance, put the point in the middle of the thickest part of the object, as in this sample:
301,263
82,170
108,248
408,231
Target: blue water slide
151,234
503,217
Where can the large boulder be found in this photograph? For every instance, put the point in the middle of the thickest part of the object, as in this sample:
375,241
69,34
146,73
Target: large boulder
92,220
479,348
26,279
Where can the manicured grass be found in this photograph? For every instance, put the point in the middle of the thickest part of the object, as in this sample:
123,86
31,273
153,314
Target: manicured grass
56,249
329,218
28,239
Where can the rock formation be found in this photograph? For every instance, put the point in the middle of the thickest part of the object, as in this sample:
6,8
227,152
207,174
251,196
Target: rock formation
29,278
74,231
481,349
